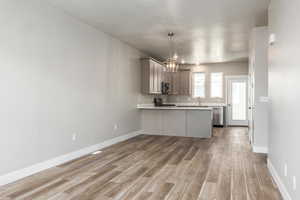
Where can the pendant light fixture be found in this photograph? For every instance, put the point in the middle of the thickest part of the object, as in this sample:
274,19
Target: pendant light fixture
171,63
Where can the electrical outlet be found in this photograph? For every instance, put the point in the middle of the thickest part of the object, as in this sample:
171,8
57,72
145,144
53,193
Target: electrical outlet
285,169
294,183
116,127
74,136
96,152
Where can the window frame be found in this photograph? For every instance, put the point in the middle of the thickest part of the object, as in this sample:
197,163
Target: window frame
204,85
222,86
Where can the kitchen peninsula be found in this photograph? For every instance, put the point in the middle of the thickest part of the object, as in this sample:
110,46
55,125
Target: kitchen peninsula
186,121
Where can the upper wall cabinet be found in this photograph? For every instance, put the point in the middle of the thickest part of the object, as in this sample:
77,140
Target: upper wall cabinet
173,78
185,83
180,82
152,76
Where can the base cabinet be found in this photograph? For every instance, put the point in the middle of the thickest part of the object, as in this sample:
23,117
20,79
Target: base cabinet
173,123
196,127
186,123
152,121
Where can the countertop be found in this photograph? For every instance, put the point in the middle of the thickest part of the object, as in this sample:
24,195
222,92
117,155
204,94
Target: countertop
152,107
200,104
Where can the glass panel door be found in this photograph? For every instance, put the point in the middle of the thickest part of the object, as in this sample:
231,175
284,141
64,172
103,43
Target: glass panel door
237,88
239,99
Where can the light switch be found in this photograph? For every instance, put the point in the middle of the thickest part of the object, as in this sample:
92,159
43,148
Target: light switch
272,39
264,99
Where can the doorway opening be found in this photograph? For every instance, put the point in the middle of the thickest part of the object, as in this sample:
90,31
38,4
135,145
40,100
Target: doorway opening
237,100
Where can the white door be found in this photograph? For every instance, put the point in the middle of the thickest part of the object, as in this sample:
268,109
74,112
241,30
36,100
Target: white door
250,108
237,100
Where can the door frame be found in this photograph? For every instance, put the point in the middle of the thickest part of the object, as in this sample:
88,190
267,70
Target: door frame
251,101
227,79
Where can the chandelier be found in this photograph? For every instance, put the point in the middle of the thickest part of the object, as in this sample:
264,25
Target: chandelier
171,63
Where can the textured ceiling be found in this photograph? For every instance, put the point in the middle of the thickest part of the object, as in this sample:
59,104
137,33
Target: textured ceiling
205,31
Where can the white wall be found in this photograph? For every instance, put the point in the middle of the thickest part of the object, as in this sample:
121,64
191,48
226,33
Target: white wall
228,69
284,90
59,76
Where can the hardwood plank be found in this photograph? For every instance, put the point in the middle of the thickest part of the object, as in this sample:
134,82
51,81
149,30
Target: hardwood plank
239,190
194,189
253,189
161,163
59,196
91,179
134,191
213,174
144,196
162,192
160,179
268,188
224,181
209,191
94,191
191,153
91,190
44,191
126,183
157,167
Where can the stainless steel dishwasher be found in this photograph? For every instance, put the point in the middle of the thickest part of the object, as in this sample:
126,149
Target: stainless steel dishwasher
218,116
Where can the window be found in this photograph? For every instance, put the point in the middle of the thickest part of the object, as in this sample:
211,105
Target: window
199,84
216,85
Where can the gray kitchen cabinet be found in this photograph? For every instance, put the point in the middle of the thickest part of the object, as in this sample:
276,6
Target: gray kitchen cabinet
152,121
180,82
173,122
159,75
171,78
174,83
184,122
185,83
197,123
152,75
167,77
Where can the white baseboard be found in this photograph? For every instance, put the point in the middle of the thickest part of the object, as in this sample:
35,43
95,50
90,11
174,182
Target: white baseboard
147,132
257,149
22,173
281,186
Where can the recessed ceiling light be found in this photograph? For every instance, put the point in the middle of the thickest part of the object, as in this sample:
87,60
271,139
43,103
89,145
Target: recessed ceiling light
96,152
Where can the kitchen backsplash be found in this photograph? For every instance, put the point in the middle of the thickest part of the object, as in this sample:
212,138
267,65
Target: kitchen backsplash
148,99
189,99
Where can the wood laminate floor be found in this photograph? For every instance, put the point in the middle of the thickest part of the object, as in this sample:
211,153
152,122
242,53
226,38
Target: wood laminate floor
156,168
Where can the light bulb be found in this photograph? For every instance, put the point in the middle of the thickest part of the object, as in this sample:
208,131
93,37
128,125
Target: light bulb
175,56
